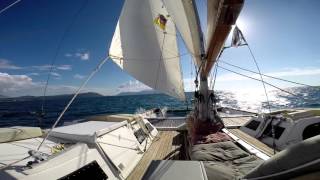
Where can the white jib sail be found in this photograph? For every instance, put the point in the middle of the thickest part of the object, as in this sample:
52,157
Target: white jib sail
184,15
145,45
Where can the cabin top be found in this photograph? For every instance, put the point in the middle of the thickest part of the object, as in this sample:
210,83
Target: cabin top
87,131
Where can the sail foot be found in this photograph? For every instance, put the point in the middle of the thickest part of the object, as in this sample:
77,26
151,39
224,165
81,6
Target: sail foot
206,118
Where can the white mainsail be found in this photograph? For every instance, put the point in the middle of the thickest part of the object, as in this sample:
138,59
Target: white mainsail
185,17
147,50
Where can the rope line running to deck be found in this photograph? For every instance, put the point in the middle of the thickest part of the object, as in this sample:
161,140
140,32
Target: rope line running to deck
73,98
58,49
10,164
248,70
8,7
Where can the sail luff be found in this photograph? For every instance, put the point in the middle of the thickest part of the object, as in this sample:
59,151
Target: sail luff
145,45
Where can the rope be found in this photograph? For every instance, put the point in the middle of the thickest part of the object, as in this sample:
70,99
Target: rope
8,7
10,164
68,28
73,98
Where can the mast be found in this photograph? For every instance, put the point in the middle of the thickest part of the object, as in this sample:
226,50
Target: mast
222,14
219,28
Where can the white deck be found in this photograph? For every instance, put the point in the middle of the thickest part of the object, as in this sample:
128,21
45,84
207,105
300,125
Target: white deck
112,145
17,152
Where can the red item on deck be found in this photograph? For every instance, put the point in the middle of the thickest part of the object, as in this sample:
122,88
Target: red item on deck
213,138
206,132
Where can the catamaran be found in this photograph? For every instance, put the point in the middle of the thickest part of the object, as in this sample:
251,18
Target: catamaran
211,142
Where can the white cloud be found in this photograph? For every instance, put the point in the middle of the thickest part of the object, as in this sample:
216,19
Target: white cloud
133,86
5,64
42,67
64,67
13,83
33,74
68,55
296,72
82,55
55,74
47,67
78,76
20,85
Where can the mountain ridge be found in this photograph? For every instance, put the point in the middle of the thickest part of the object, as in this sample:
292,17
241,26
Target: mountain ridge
81,95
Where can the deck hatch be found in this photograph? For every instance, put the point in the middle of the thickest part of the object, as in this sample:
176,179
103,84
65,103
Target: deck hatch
149,127
140,135
89,171
253,125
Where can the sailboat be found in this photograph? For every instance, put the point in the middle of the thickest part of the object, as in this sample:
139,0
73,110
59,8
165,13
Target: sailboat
211,142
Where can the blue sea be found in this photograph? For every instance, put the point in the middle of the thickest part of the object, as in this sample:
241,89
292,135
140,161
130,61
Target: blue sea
22,112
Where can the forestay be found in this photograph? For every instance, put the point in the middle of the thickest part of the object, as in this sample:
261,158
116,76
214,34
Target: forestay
145,45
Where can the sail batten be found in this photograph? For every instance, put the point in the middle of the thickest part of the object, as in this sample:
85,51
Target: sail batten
144,45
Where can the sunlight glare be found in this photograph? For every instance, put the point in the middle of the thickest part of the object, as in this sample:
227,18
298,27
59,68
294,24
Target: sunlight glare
243,25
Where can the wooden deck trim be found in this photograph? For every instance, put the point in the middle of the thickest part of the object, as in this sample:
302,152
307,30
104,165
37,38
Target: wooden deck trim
232,122
251,141
161,148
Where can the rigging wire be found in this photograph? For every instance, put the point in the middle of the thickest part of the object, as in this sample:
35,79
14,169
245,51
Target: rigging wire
58,49
210,79
248,70
263,83
73,98
260,74
293,94
215,75
199,69
8,7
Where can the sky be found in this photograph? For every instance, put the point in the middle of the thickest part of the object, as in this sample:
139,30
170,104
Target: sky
283,35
